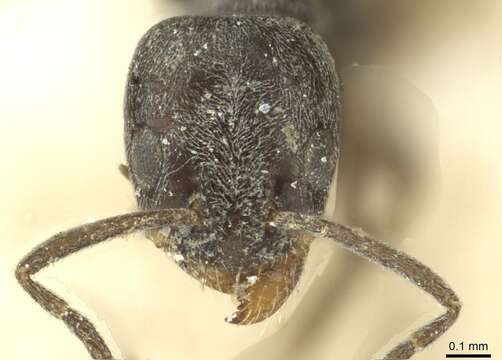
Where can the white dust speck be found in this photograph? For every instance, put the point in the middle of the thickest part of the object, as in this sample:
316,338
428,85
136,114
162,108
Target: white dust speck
178,258
196,53
252,279
293,184
265,108
205,46
324,159
183,128
165,142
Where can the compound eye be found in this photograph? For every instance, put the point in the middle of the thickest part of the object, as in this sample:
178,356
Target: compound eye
183,183
146,159
280,182
285,184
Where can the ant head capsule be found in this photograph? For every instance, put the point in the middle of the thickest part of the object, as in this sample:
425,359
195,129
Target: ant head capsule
234,117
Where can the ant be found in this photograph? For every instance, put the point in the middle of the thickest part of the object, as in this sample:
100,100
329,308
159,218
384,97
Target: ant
232,128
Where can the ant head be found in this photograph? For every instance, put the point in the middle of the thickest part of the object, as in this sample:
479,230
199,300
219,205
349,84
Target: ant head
234,117
232,110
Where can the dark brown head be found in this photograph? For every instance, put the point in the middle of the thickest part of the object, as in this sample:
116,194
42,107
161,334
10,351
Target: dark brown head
234,117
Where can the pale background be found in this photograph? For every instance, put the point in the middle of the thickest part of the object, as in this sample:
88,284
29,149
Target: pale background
439,83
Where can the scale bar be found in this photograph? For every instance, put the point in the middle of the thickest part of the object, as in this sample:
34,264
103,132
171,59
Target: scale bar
469,356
